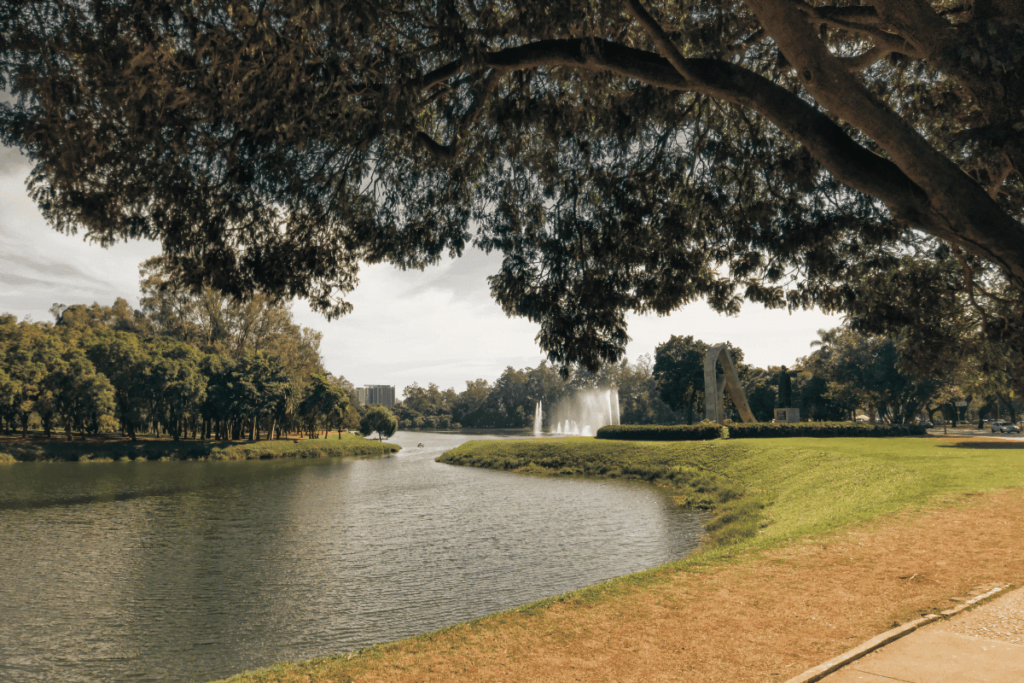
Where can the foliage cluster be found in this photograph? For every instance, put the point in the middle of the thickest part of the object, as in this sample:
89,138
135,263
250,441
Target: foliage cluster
759,430
698,432
183,364
630,156
770,430
379,420
850,372
679,373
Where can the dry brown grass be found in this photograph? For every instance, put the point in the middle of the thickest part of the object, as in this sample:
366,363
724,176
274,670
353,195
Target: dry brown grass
766,617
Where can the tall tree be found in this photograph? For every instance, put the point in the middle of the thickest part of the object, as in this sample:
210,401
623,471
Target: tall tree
176,384
622,155
679,370
323,406
79,394
216,323
125,361
380,420
864,371
30,352
640,401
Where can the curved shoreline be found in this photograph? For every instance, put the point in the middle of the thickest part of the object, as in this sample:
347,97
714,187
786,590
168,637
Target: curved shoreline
822,559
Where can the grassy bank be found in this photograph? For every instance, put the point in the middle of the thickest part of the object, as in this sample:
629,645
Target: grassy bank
114,449
692,471
774,489
804,489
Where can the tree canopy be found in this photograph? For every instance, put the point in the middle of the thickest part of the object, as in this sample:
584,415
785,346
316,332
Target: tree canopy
380,420
622,156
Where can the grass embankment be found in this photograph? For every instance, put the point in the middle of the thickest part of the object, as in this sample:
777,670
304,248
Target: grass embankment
691,471
116,449
811,581
772,489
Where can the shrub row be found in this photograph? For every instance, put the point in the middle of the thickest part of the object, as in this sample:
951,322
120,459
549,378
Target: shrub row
774,430
706,431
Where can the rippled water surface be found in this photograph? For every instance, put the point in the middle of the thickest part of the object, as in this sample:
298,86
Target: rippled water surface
181,571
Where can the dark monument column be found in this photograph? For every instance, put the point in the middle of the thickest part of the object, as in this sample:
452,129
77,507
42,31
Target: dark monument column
784,410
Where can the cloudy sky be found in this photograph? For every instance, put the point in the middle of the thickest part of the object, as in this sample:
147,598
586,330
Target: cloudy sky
439,325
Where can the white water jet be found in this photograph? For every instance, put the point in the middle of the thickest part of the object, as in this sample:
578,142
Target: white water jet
583,413
537,417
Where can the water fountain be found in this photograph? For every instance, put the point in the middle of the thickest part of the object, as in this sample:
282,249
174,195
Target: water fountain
537,418
583,413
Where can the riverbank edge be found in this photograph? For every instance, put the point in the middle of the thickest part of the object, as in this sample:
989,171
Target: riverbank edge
704,566
48,451
690,483
965,483
388,661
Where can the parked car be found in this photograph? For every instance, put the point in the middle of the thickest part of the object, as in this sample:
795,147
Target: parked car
1009,428
927,424
995,425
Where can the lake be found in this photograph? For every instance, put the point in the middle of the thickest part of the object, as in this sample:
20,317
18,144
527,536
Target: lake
181,571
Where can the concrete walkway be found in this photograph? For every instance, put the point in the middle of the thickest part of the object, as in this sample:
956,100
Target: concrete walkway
980,645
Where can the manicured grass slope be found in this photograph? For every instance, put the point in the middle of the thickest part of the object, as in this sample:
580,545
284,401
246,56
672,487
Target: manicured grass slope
767,490
350,445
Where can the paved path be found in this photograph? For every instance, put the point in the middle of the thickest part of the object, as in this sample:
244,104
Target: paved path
982,645
971,431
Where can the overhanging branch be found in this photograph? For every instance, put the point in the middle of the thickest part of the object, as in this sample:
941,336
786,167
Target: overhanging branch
919,185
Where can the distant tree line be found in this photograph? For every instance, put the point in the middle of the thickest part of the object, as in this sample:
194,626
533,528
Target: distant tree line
185,365
510,401
848,373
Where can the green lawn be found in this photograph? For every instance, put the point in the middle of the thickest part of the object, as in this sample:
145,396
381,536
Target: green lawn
110,449
769,490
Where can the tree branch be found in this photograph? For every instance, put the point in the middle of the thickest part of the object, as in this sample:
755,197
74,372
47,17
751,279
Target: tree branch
916,22
919,185
865,59
451,151
745,45
656,33
863,21
960,210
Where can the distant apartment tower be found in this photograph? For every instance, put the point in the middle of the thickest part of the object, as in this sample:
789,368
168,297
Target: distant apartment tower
377,394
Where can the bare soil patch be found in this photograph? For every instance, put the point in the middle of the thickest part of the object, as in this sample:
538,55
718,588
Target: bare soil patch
766,617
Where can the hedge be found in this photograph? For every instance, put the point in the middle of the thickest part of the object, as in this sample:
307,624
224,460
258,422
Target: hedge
704,431
775,430
759,430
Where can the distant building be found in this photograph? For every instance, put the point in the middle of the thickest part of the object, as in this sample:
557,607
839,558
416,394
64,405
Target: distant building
377,394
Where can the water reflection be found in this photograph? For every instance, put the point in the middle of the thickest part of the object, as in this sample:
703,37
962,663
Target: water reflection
207,569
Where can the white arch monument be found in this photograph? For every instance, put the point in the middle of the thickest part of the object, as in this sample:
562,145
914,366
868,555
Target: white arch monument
715,386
